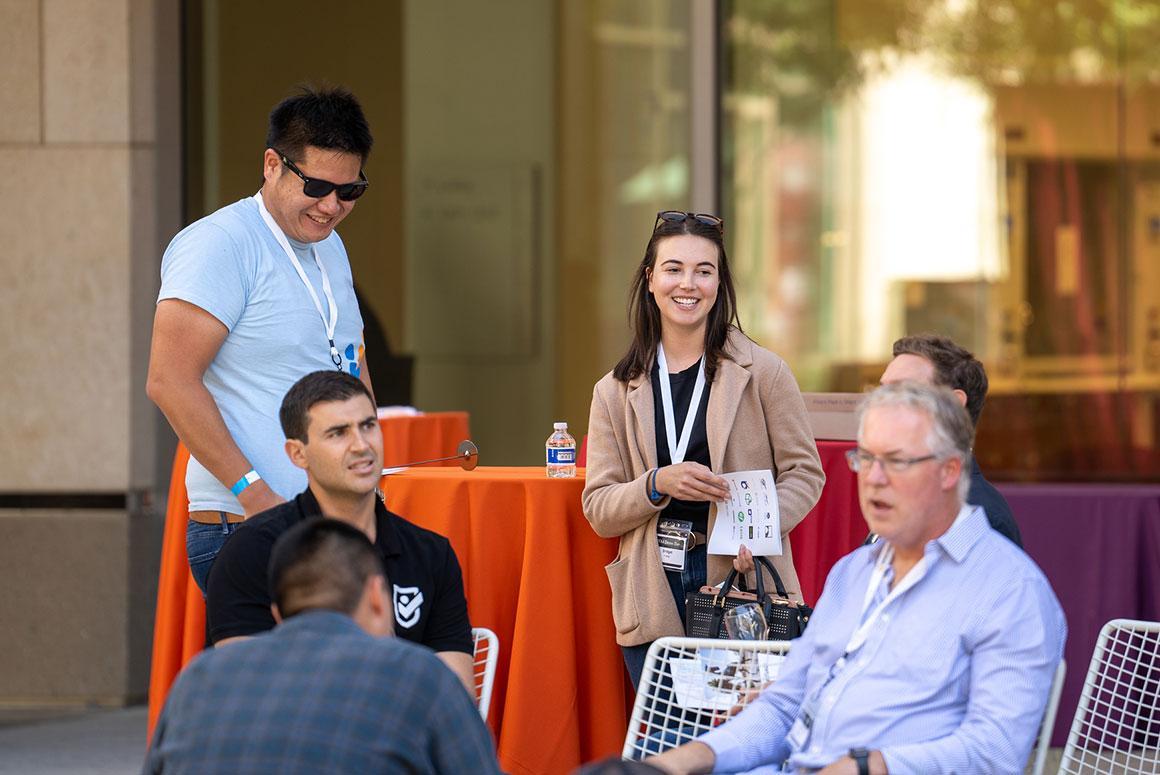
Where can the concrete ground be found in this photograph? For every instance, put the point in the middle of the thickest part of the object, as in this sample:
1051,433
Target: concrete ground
94,742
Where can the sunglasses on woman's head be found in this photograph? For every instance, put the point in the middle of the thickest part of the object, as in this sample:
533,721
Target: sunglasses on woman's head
316,188
680,216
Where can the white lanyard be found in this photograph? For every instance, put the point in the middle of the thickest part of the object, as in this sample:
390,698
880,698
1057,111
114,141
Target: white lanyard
858,638
677,449
328,322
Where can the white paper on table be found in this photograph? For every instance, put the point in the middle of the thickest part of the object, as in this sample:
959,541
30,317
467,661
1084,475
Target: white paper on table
751,516
716,678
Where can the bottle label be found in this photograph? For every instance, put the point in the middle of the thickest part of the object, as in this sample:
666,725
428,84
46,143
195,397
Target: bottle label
561,455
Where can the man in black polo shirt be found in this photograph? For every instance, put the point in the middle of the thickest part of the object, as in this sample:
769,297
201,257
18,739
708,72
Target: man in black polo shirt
332,433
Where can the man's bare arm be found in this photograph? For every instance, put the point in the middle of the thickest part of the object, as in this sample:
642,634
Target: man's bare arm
463,665
847,766
694,757
185,340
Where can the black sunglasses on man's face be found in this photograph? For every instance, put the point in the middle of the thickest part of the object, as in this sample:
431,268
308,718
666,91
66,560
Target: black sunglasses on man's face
317,188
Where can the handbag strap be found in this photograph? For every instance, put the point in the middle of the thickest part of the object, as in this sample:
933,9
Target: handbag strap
777,585
760,562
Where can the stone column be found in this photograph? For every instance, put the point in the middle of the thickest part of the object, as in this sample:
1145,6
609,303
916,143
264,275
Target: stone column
90,185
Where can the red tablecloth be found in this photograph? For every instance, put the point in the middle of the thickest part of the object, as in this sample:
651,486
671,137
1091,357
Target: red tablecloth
533,572
835,526
179,624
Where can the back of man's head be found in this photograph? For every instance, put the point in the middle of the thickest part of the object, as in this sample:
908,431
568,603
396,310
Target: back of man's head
321,564
330,119
314,388
955,367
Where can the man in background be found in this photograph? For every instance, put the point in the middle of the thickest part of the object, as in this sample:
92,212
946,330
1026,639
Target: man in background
936,360
326,690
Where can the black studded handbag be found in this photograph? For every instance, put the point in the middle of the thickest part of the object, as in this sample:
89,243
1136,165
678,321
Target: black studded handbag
705,610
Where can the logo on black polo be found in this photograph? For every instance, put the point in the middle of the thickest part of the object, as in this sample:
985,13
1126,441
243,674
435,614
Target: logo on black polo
408,602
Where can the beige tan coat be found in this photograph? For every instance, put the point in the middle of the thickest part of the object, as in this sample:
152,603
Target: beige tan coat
756,419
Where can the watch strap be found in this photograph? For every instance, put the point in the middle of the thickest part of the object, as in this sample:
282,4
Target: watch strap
861,757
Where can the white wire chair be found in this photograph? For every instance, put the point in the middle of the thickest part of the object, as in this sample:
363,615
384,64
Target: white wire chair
689,685
1043,741
485,658
1116,728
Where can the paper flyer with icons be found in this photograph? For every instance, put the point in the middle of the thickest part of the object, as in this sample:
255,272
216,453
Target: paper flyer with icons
715,679
749,517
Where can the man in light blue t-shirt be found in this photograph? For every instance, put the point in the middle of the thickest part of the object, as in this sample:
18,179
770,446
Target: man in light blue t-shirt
253,297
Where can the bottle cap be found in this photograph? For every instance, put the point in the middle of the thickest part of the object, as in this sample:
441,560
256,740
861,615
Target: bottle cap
560,426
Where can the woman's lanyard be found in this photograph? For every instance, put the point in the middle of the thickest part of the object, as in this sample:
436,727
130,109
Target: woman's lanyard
677,449
329,323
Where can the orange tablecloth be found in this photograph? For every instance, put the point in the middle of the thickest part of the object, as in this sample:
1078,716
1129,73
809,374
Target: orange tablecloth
179,625
534,572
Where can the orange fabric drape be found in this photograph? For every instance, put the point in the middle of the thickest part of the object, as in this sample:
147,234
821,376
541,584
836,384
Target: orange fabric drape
533,571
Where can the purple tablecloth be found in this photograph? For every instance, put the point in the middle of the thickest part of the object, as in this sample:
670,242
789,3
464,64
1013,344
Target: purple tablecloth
1099,545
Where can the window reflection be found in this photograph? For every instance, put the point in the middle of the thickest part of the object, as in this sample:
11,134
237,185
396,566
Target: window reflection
987,170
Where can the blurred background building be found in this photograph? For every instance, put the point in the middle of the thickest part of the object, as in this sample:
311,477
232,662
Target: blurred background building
987,169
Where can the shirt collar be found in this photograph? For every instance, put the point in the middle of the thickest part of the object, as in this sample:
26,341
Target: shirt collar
386,539
969,526
320,620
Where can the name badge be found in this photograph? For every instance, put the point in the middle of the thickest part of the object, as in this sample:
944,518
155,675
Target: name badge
674,538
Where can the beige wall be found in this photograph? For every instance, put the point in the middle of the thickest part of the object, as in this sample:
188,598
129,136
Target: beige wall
481,266
88,176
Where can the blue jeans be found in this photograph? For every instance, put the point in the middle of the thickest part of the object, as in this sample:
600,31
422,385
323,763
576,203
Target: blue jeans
202,544
692,578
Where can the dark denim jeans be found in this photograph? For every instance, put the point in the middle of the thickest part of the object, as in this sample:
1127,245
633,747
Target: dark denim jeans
680,583
202,544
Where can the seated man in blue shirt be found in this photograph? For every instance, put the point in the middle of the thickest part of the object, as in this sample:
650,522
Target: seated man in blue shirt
931,651
322,691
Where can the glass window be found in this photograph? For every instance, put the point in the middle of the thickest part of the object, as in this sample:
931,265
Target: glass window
986,170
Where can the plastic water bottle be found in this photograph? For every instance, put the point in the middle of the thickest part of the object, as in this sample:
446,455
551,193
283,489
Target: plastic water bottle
561,449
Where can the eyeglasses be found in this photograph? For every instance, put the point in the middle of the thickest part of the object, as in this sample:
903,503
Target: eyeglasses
861,460
680,216
316,188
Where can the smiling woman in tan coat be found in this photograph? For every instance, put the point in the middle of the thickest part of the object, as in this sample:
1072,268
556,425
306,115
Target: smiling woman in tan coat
693,397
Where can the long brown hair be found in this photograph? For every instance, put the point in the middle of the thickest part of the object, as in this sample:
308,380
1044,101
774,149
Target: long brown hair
644,317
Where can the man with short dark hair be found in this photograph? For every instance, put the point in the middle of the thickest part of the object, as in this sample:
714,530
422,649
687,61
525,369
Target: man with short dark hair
936,360
252,297
884,680
324,691
333,434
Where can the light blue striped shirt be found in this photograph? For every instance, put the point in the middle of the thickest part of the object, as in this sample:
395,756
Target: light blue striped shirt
953,676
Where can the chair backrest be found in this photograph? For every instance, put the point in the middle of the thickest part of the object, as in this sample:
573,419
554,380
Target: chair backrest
486,657
1117,722
1043,742
690,685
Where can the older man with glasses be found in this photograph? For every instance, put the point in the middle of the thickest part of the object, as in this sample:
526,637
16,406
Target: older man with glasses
253,297
931,651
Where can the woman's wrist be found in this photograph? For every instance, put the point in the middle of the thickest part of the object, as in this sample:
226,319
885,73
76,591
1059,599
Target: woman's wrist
653,494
